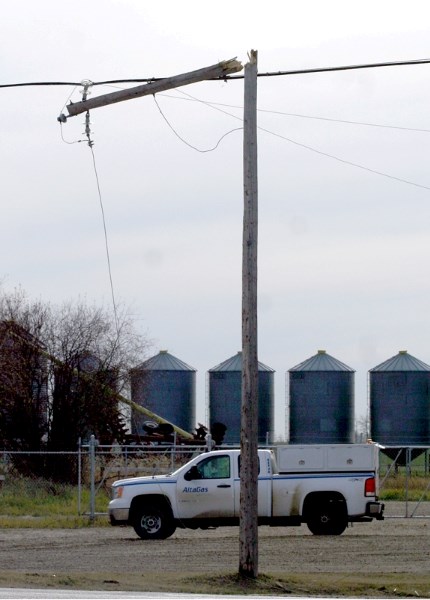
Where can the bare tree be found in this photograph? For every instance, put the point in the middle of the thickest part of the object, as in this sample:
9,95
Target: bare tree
77,352
362,429
23,373
94,356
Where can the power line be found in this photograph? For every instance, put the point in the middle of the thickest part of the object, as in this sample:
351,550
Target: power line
302,145
61,123
66,141
298,115
346,121
346,162
106,239
399,63
316,151
289,114
185,141
39,83
87,84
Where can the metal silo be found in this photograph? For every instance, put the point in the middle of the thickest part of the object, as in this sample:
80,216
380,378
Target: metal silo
321,401
166,386
225,398
399,401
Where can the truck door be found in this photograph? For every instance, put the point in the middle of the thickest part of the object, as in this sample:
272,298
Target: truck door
206,490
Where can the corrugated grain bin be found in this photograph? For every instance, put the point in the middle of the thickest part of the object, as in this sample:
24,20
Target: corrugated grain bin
166,386
321,401
399,401
225,398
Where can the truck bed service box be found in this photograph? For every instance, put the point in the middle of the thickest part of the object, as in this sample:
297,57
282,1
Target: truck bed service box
336,457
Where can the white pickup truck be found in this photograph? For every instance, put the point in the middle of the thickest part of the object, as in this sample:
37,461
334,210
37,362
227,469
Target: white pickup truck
326,487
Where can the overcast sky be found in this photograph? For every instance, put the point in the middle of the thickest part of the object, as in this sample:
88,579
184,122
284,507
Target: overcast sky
343,251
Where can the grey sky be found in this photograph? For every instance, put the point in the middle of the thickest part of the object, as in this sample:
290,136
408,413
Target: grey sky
343,252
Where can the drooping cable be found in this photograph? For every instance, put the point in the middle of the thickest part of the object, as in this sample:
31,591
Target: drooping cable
87,84
61,121
64,139
320,152
90,145
185,141
345,161
298,115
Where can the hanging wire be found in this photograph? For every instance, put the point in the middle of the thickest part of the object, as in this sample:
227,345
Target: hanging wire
66,141
87,84
316,151
90,145
344,161
187,143
297,115
62,120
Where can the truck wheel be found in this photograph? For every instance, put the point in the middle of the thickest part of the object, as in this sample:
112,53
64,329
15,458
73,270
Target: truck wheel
327,519
151,523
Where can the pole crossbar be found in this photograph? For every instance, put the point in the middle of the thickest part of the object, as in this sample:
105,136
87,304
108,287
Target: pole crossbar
218,71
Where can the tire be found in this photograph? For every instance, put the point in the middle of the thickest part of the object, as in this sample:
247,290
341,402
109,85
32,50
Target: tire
152,523
327,518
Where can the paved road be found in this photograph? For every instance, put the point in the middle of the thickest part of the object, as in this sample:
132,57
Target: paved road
33,594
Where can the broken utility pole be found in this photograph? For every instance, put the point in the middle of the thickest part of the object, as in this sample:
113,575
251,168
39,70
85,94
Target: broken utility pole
218,71
248,535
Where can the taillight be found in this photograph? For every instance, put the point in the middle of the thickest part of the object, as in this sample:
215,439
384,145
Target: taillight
370,487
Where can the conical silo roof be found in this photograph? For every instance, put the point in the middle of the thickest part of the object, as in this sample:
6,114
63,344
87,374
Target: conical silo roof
322,362
163,361
402,362
235,364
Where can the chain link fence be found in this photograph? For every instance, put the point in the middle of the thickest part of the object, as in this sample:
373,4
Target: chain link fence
78,484
106,464
79,481
404,474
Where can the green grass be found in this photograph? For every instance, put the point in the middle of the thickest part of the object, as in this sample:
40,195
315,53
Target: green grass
394,488
59,522
40,503
374,585
27,502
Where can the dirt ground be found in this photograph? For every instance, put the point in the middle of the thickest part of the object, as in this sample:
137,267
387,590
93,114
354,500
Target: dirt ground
385,552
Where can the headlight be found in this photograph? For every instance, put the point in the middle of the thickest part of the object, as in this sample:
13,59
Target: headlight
117,492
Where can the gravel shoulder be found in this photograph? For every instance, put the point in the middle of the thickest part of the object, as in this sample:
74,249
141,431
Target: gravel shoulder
396,549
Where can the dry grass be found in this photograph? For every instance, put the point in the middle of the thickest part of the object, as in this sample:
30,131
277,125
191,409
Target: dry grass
322,584
395,486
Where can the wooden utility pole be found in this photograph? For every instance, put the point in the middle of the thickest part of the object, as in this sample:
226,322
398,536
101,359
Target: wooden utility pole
248,535
218,71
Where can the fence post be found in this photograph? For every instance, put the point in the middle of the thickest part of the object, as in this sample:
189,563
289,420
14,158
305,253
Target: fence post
92,448
173,455
79,475
408,474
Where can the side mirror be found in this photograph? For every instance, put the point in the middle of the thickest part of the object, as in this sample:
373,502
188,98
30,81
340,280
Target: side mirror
193,473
